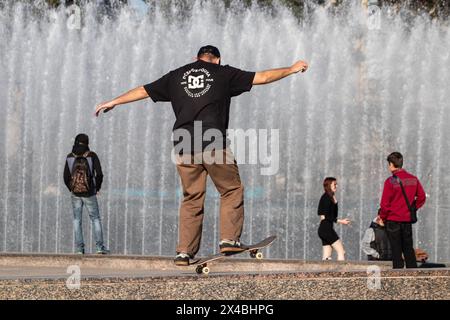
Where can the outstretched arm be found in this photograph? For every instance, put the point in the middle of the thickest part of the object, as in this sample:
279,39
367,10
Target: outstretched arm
268,76
135,94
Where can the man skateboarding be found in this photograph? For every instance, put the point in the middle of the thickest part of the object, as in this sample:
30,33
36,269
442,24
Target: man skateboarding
200,93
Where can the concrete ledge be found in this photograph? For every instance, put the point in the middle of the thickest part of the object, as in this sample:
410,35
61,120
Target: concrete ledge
125,277
230,264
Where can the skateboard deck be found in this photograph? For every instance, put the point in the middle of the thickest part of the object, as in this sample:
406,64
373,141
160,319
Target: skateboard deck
202,264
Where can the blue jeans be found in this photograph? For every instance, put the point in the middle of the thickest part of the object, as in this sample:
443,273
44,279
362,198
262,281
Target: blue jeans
92,207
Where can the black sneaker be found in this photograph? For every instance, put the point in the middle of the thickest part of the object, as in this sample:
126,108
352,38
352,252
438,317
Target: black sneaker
181,259
230,246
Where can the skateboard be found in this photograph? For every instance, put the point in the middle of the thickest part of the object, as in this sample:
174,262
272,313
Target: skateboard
254,250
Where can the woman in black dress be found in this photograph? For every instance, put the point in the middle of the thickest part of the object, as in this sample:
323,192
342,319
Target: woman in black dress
328,212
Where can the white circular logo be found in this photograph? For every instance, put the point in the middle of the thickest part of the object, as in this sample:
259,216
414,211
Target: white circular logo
196,82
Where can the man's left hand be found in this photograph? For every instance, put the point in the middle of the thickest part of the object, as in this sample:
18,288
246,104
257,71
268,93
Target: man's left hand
299,66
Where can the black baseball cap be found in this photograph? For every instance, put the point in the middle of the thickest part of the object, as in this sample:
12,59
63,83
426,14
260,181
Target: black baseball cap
82,139
209,49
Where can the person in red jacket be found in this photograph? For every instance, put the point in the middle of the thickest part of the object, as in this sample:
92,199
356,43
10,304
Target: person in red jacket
395,212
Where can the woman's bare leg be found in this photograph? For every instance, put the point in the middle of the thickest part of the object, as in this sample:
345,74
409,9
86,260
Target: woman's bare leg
339,247
326,252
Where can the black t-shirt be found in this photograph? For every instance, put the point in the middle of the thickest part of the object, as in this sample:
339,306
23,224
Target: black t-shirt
201,91
328,208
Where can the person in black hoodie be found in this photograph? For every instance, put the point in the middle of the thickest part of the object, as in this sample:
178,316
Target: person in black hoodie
83,177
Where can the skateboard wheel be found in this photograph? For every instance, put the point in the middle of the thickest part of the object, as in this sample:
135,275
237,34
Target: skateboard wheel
199,269
255,254
205,270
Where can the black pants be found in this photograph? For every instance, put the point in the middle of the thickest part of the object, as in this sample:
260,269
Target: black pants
400,238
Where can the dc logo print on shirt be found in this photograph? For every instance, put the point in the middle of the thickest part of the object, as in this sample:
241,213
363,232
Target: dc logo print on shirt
196,82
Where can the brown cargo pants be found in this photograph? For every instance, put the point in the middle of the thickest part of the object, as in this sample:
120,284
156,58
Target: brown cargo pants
223,170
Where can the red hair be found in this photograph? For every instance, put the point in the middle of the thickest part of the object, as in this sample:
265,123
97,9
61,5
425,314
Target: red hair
327,185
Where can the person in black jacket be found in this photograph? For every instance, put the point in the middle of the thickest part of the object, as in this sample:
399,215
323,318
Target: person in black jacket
83,177
328,212
375,243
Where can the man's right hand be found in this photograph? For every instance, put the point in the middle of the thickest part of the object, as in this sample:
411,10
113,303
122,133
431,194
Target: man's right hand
379,221
105,107
130,96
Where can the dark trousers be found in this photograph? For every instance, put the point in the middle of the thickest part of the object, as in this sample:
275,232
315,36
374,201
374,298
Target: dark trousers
400,238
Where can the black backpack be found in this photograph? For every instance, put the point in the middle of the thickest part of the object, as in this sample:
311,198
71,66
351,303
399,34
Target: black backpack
81,177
